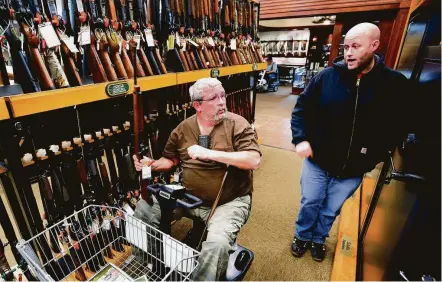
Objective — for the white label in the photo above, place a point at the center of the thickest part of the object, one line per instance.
(176, 177)
(146, 172)
(192, 42)
(211, 43)
(117, 222)
(128, 210)
(177, 38)
(80, 6)
(60, 6)
(119, 47)
(184, 45)
(233, 44)
(47, 32)
(69, 41)
(84, 36)
(106, 224)
(95, 227)
(149, 37)
(364, 150)
(137, 39)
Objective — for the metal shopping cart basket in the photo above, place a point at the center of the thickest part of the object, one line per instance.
(102, 243)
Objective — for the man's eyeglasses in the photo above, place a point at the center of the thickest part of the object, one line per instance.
(222, 97)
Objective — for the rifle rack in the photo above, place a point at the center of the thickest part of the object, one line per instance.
(28, 104)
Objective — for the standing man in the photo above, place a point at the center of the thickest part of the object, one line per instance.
(338, 126)
(233, 150)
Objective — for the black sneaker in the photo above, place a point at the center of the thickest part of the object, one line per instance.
(318, 251)
(299, 247)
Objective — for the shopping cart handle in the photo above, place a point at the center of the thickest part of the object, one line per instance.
(196, 202)
(154, 188)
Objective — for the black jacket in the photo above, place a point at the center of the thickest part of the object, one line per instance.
(350, 128)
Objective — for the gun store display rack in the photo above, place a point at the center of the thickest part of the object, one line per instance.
(28, 104)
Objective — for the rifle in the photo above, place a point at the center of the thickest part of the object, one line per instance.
(114, 41)
(24, 16)
(138, 133)
(54, 67)
(22, 72)
(65, 30)
(109, 189)
(4, 77)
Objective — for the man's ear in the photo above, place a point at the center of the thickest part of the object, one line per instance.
(197, 105)
(375, 45)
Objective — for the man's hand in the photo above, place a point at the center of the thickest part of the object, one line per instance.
(198, 152)
(304, 150)
(139, 164)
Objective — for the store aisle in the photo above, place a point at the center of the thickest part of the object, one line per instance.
(276, 198)
(273, 111)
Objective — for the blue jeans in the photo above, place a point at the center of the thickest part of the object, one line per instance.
(322, 197)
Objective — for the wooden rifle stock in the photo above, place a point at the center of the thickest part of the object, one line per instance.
(104, 56)
(189, 61)
(145, 61)
(126, 60)
(138, 67)
(159, 60)
(183, 59)
(33, 41)
(70, 67)
(112, 38)
(202, 57)
(97, 69)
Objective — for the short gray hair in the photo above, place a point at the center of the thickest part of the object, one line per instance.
(196, 90)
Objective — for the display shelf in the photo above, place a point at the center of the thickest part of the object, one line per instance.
(28, 104)
(4, 114)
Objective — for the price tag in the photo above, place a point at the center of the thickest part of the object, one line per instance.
(233, 44)
(146, 172)
(106, 224)
(192, 42)
(69, 41)
(47, 32)
(84, 36)
(128, 210)
(177, 38)
(80, 6)
(171, 42)
(184, 45)
(176, 176)
(149, 37)
(137, 39)
(119, 47)
(95, 227)
(210, 40)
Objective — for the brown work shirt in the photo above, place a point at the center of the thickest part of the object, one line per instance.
(203, 178)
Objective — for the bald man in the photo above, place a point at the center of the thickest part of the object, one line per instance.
(339, 129)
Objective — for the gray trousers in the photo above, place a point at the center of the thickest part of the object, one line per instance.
(223, 229)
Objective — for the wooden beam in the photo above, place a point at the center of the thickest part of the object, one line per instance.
(290, 14)
(336, 40)
(395, 43)
(344, 264)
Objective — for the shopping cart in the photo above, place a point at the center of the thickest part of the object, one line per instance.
(102, 243)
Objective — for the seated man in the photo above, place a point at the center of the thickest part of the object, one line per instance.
(233, 149)
(272, 71)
